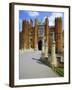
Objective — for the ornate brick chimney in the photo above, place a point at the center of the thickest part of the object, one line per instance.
(25, 34)
(58, 35)
(36, 35)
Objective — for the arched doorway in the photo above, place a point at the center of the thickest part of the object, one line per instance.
(40, 45)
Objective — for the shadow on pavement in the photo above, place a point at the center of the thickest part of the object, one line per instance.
(44, 61)
(35, 59)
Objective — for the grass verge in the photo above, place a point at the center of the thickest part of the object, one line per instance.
(60, 71)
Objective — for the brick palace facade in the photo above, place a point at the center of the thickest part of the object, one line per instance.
(35, 36)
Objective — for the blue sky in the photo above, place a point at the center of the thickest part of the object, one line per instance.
(27, 15)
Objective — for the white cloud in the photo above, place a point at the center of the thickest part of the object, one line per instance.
(52, 18)
(33, 14)
(44, 19)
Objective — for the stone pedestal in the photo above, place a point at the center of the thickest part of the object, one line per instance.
(53, 55)
(46, 51)
(45, 48)
(36, 47)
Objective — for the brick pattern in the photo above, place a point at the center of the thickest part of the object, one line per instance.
(58, 35)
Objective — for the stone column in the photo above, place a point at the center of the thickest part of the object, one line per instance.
(53, 53)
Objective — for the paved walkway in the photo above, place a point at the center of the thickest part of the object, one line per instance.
(31, 67)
